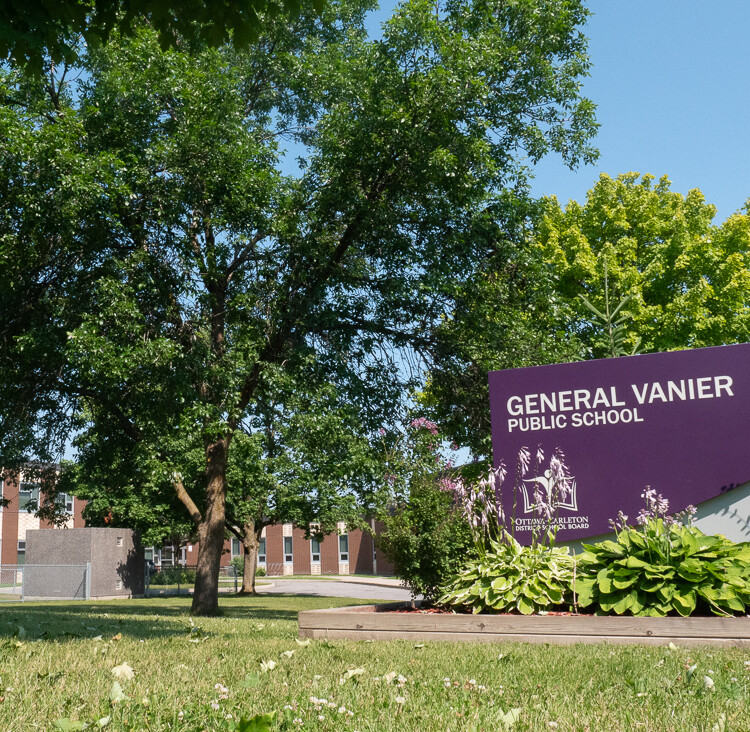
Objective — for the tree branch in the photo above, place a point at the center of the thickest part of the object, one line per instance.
(130, 429)
(244, 255)
(185, 499)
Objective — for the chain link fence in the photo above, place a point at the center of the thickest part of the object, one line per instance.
(180, 580)
(45, 582)
(11, 582)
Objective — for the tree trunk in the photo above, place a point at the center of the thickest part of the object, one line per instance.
(250, 543)
(211, 531)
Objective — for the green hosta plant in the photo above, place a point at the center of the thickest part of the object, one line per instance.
(664, 567)
(510, 577)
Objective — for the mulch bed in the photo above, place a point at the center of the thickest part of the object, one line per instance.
(466, 611)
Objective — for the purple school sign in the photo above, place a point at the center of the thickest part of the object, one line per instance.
(604, 430)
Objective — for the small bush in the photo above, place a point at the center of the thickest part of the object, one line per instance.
(157, 578)
(510, 577)
(239, 565)
(260, 571)
(173, 576)
(427, 540)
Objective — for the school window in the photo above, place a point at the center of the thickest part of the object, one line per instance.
(28, 497)
(262, 552)
(167, 555)
(63, 499)
(344, 548)
(288, 555)
(153, 555)
(236, 548)
(315, 549)
(21, 557)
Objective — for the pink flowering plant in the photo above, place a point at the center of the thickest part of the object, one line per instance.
(425, 535)
(412, 455)
(664, 566)
(506, 576)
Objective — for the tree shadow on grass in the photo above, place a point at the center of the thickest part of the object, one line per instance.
(148, 618)
(142, 619)
(278, 606)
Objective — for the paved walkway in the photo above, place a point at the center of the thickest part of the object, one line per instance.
(366, 588)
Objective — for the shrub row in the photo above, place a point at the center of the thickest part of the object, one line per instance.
(173, 576)
(660, 568)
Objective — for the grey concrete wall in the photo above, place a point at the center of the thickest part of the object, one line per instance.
(115, 554)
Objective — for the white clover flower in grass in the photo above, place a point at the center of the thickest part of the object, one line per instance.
(400, 700)
(123, 672)
(708, 683)
(215, 705)
(223, 691)
(350, 674)
(389, 677)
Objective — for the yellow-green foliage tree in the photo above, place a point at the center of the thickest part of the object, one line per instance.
(687, 280)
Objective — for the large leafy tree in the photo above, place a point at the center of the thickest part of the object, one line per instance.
(310, 463)
(505, 315)
(31, 32)
(168, 280)
(307, 461)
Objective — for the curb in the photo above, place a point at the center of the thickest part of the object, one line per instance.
(344, 578)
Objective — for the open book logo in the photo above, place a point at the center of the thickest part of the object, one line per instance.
(554, 488)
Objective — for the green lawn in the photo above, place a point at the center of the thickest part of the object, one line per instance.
(56, 661)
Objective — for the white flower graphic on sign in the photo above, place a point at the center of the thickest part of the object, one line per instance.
(552, 490)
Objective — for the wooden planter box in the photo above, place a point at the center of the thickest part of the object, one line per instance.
(378, 622)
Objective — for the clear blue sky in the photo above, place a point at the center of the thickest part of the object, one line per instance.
(671, 81)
